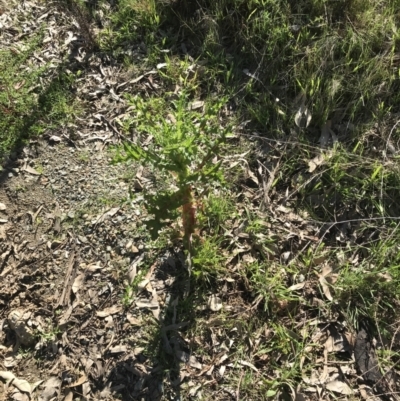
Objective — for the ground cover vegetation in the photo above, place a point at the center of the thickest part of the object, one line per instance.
(261, 141)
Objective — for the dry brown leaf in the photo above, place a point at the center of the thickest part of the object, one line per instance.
(21, 385)
(19, 85)
(248, 364)
(80, 381)
(69, 396)
(315, 162)
(30, 170)
(86, 390)
(133, 320)
(109, 311)
(296, 287)
(17, 396)
(325, 288)
(132, 270)
(197, 104)
(189, 359)
(336, 343)
(145, 285)
(339, 387)
(79, 280)
(51, 388)
(93, 267)
(326, 270)
(118, 349)
(252, 176)
(110, 213)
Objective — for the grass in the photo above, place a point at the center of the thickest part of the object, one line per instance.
(332, 182)
(270, 58)
(27, 107)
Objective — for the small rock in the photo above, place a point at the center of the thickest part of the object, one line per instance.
(2, 206)
(18, 322)
(82, 239)
(214, 303)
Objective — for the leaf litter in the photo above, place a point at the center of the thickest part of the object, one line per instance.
(64, 251)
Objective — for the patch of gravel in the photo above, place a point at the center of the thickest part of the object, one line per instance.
(71, 245)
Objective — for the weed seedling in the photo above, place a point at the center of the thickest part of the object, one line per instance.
(186, 144)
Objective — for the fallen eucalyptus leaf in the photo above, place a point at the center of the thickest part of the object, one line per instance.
(325, 288)
(51, 388)
(297, 286)
(339, 387)
(31, 170)
(78, 283)
(21, 385)
(80, 381)
(118, 349)
(109, 311)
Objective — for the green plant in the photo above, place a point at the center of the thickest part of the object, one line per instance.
(217, 209)
(186, 143)
(269, 284)
(50, 334)
(208, 260)
(30, 101)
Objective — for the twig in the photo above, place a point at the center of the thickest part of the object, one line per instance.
(68, 280)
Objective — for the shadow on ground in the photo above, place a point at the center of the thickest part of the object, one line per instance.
(166, 351)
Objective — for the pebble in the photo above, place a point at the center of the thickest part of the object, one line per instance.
(82, 239)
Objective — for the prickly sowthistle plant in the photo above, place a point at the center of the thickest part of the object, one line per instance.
(185, 145)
